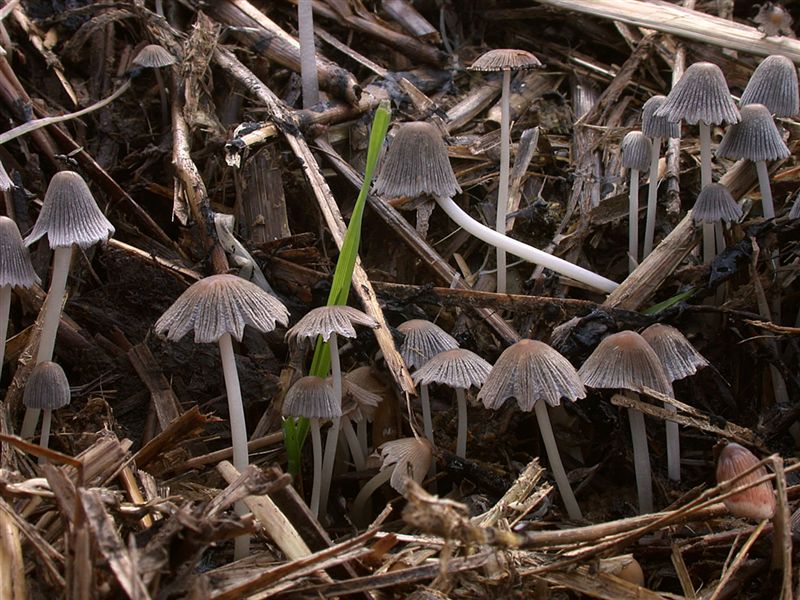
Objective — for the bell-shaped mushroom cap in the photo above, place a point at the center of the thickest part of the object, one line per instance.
(458, 368)
(313, 398)
(716, 204)
(678, 356)
(416, 163)
(423, 340)
(5, 181)
(701, 95)
(531, 371)
(636, 148)
(757, 502)
(369, 383)
(47, 387)
(754, 138)
(625, 361)
(505, 59)
(327, 320)
(794, 213)
(153, 56)
(70, 214)
(658, 127)
(774, 84)
(221, 304)
(358, 402)
(16, 269)
(412, 457)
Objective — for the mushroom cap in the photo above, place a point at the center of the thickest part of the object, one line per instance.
(757, 502)
(457, 368)
(658, 127)
(794, 213)
(636, 148)
(327, 320)
(413, 459)
(678, 356)
(416, 163)
(774, 84)
(70, 214)
(531, 371)
(359, 402)
(313, 398)
(221, 304)
(714, 204)
(47, 387)
(701, 95)
(16, 269)
(153, 56)
(370, 385)
(5, 181)
(625, 361)
(505, 59)
(423, 340)
(755, 137)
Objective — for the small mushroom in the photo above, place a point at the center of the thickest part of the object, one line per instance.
(366, 379)
(713, 208)
(636, 149)
(774, 84)
(358, 405)
(47, 389)
(757, 502)
(155, 57)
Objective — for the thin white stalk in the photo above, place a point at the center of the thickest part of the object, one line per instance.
(560, 475)
(355, 446)
(427, 421)
(361, 431)
(336, 368)
(673, 445)
(333, 432)
(705, 154)
(633, 221)
(29, 423)
(359, 511)
(709, 252)
(162, 96)
(238, 429)
(652, 197)
(44, 438)
(461, 439)
(502, 184)
(5, 306)
(316, 446)
(524, 251)
(641, 460)
(766, 191)
(308, 58)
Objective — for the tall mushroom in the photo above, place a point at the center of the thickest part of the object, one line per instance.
(156, 57)
(636, 150)
(774, 84)
(714, 207)
(47, 389)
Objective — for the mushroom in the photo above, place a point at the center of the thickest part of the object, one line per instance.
(504, 60)
(69, 216)
(365, 378)
(636, 150)
(360, 405)
(218, 308)
(308, 55)
(460, 369)
(757, 502)
(5, 181)
(47, 389)
(625, 361)
(714, 206)
(755, 138)
(16, 270)
(537, 376)
(155, 57)
(774, 84)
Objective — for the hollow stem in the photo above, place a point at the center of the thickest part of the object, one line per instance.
(332, 440)
(560, 475)
(359, 512)
(502, 184)
(5, 306)
(316, 446)
(705, 154)
(461, 439)
(652, 196)
(641, 460)
(44, 438)
(673, 445)
(308, 58)
(766, 191)
(709, 252)
(524, 251)
(427, 421)
(353, 443)
(633, 221)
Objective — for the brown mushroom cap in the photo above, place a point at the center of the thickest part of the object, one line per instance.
(153, 56)
(716, 204)
(658, 127)
(774, 84)
(358, 402)
(754, 138)
(413, 459)
(678, 356)
(505, 59)
(16, 269)
(47, 387)
(313, 398)
(423, 340)
(221, 304)
(327, 320)
(636, 148)
(458, 368)
(701, 95)
(757, 502)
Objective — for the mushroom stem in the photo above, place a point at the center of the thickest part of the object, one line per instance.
(308, 59)
(560, 475)
(332, 440)
(524, 251)
(5, 306)
(44, 438)
(502, 184)
(708, 243)
(427, 421)
(355, 446)
(705, 154)
(652, 196)
(633, 221)
(361, 431)
(766, 191)
(359, 513)
(461, 439)
(316, 443)
(641, 459)
(673, 445)
(162, 95)
(719, 236)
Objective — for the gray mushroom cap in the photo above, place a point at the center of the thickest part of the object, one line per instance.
(412, 457)
(153, 56)
(658, 127)
(70, 214)
(423, 340)
(774, 84)
(754, 138)
(47, 387)
(505, 59)
(636, 148)
(221, 304)
(327, 320)
(679, 358)
(716, 204)
(458, 368)
(16, 269)
(313, 398)
(701, 95)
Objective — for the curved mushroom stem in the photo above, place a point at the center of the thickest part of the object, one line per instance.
(705, 154)
(361, 431)
(502, 184)
(641, 459)
(673, 445)
(5, 306)
(332, 440)
(766, 191)
(560, 475)
(461, 439)
(355, 447)
(44, 439)
(359, 512)
(633, 221)
(652, 196)
(524, 251)
(709, 252)
(427, 421)
(308, 58)
(316, 444)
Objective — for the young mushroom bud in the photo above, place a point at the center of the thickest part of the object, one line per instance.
(756, 502)
(774, 84)
(47, 389)
(636, 149)
(714, 207)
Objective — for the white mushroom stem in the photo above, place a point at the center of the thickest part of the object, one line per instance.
(719, 236)
(333, 432)
(5, 306)
(766, 191)
(652, 196)
(560, 475)
(524, 251)
(633, 221)
(427, 421)
(705, 154)
(641, 459)
(316, 446)
(162, 94)
(673, 445)
(359, 511)
(361, 431)
(44, 438)
(461, 439)
(709, 251)
(238, 429)
(355, 447)
(308, 59)
(502, 184)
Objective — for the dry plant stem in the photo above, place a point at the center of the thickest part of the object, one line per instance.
(652, 196)
(461, 439)
(5, 305)
(641, 459)
(427, 421)
(560, 475)
(353, 443)
(308, 55)
(359, 512)
(705, 154)
(316, 444)
(719, 236)
(502, 185)
(738, 561)
(766, 191)
(13, 584)
(673, 445)
(633, 221)
(333, 432)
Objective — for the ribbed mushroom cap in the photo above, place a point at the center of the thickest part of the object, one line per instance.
(701, 95)
(47, 387)
(774, 84)
(505, 59)
(313, 398)
(327, 320)
(416, 163)
(366, 379)
(221, 304)
(70, 214)
(413, 459)
(754, 138)
(625, 361)
(16, 269)
(678, 356)
(5, 181)
(658, 127)
(153, 56)
(716, 204)
(458, 368)
(794, 213)
(358, 402)
(757, 502)
(636, 148)
(423, 340)
(531, 371)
